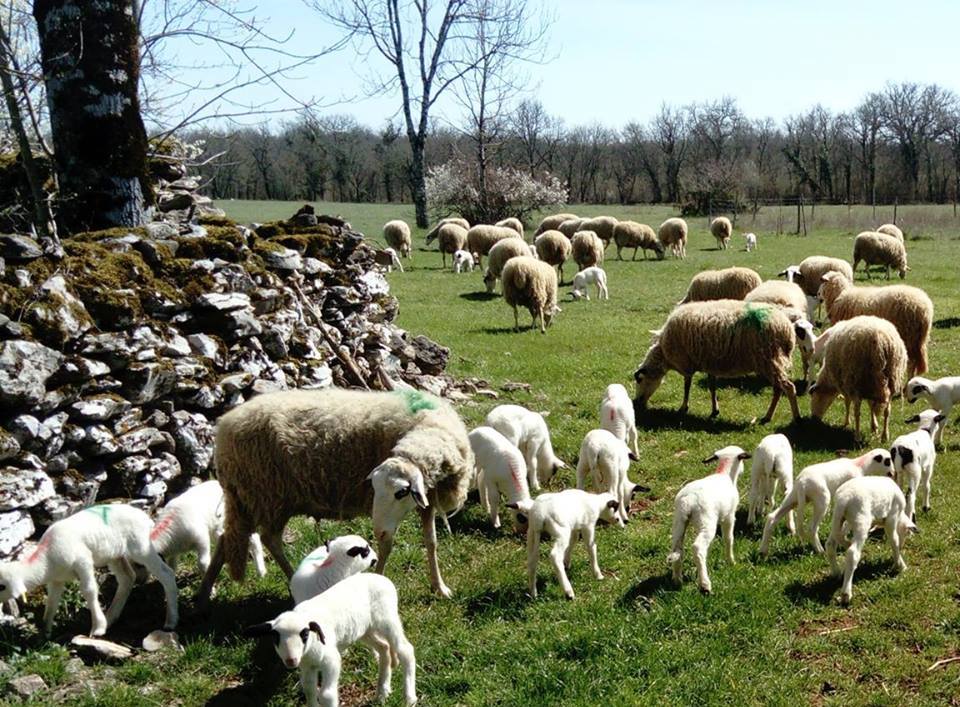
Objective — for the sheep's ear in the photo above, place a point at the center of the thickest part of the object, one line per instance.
(613, 505)
(633, 457)
(315, 627)
(915, 418)
(711, 458)
(940, 417)
(799, 331)
(782, 273)
(373, 473)
(357, 550)
(744, 455)
(513, 506)
(258, 630)
(326, 544)
(419, 499)
(639, 488)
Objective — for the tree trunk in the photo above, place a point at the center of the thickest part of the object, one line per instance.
(91, 68)
(418, 181)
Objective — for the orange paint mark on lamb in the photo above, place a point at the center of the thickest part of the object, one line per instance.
(39, 550)
(162, 525)
(724, 466)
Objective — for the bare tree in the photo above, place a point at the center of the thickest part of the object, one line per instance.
(865, 125)
(672, 133)
(537, 134)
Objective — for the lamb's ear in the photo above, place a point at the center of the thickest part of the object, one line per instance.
(633, 457)
(326, 544)
(915, 418)
(639, 488)
(315, 627)
(711, 458)
(513, 506)
(940, 417)
(782, 273)
(258, 630)
(878, 458)
(744, 455)
(613, 505)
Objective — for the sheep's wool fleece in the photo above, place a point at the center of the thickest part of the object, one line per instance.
(865, 358)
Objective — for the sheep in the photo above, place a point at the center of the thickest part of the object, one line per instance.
(891, 230)
(553, 248)
(606, 460)
(565, 516)
(397, 235)
(106, 535)
(498, 256)
(914, 455)
(941, 394)
(583, 279)
(812, 348)
(603, 226)
(314, 634)
(879, 249)
(550, 223)
(864, 359)
(729, 283)
(630, 234)
(860, 504)
(587, 249)
(722, 229)
(772, 465)
(570, 226)
(816, 484)
(193, 521)
(462, 262)
(528, 432)
(452, 220)
(387, 258)
(480, 239)
(309, 452)
(500, 470)
(908, 308)
(703, 504)
(786, 295)
(451, 237)
(530, 283)
(750, 240)
(330, 563)
(514, 223)
(673, 235)
(617, 416)
(723, 338)
(809, 273)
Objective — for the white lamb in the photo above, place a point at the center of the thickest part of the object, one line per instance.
(527, 431)
(860, 504)
(772, 465)
(463, 261)
(941, 394)
(388, 259)
(751, 240)
(590, 276)
(816, 484)
(315, 633)
(606, 460)
(914, 455)
(617, 416)
(704, 503)
(330, 563)
(72, 548)
(566, 516)
(500, 470)
(812, 347)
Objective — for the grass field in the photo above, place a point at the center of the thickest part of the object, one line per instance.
(771, 633)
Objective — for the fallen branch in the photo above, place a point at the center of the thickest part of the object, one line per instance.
(944, 661)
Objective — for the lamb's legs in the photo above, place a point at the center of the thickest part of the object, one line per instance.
(493, 504)
(125, 575)
(89, 590)
(819, 511)
(701, 544)
(886, 423)
(557, 553)
(329, 681)
(687, 380)
(896, 543)
(256, 552)
(927, 475)
(54, 595)
(427, 520)
(726, 526)
(381, 649)
(202, 543)
(791, 516)
(274, 542)
(772, 519)
(516, 319)
(912, 496)
(852, 560)
(533, 557)
(831, 553)
(168, 580)
(714, 408)
(213, 571)
(591, 542)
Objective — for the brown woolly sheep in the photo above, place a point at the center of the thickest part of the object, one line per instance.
(551, 223)
(673, 235)
(788, 296)
(498, 256)
(514, 223)
(879, 249)
(553, 248)
(481, 238)
(722, 229)
(729, 283)
(397, 235)
(891, 230)
(455, 220)
(451, 237)
(601, 225)
(531, 283)
(630, 234)
(810, 271)
(587, 249)
(570, 227)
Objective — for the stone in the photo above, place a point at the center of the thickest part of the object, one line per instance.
(26, 686)
(313, 266)
(156, 489)
(112, 345)
(100, 441)
(9, 445)
(207, 346)
(99, 409)
(57, 316)
(174, 201)
(193, 435)
(159, 640)
(236, 383)
(282, 259)
(159, 230)
(145, 382)
(16, 248)
(176, 346)
(140, 440)
(25, 367)
(233, 278)
(21, 488)
(222, 301)
(100, 649)
(241, 323)
(77, 369)
(24, 428)
(16, 527)
(56, 508)
(262, 385)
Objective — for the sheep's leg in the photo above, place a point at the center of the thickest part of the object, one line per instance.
(772, 519)
(620, 257)
(543, 322)
(633, 440)
(926, 479)
(831, 553)
(168, 580)
(846, 412)
(726, 526)
(774, 401)
(714, 408)
(533, 557)
(557, 553)
(213, 571)
(88, 588)
(274, 542)
(912, 496)
(755, 504)
(852, 560)
(516, 319)
(493, 504)
(256, 552)
(408, 662)
(568, 553)
(54, 595)
(819, 511)
(329, 680)
(202, 544)
(886, 422)
(443, 254)
(533, 473)
(427, 520)
(482, 491)
(125, 575)
(791, 516)
(591, 542)
(896, 542)
(856, 421)
(381, 649)
(687, 380)
(700, 546)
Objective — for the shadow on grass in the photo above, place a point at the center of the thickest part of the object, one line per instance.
(811, 434)
(505, 603)
(640, 594)
(524, 329)
(823, 589)
(479, 296)
(664, 419)
(948, 323)
(751, 384)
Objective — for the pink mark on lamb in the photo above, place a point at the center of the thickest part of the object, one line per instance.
(162, 525)
(724, 466)
(39, 550)
(515, 476)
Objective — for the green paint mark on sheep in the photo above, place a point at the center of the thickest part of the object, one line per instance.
(416, 401)
(756, 316)
(102, 511)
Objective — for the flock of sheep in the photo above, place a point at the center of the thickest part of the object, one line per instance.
(340, 453)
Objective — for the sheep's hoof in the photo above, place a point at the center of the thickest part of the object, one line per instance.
(569, 596)
(926, 509)
(706, 589)
(844, 599)
(714, 413)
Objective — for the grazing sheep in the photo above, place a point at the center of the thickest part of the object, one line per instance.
(311, 452)
(107, 535)
(500, 470)
(603, 226)
(570, 226)
(914, 455)
(587, 249)
(864, 359)
(772, 465)
(397, 235)
(330, 563)
(673, 235)
(786, 295)
(606, 460)
(723, 338)
(809, 273)
(630, 234)
(451, 237)
(879, 249)
(891, 230)
(550, 223)
(314, 634)
(480, 239)
(816, 484)
(617, 416)
(514, 223)
(860, 504)
(729, 283)
(703, 504)
(453, 220)
(566, 516)
(750, 239)
(498, 256)
(941, 394)
(462, 262)
(531, 283)
(387, 258)
(722, 229)
(908, 308)
(553, 248)
(528, 432)
(590, 276)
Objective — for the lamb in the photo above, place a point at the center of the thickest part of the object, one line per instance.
(703, 504)
(566, 515)
(914, 455)
(480, 239)
(309, 452)
(527, 431)
(590, 276)
(330, 563)
(587, 249)
(809, 273)
(451, 237)
(617, 416)
(606, 460)
(722, 229)
(786, 295)
(397, 235)
(453, 220)
(860, 504)
(908, 308)
(750, 240)
(315, 633)
(812, 348)
(498, 256)
(107, 535)
(570, 227)
(530, 283)
(553, 248)
(879, 249)
(941, 394)
(514, 223)
(865, 359)
(630, 234)
(891, 230)
(772, 465)
(673, 235)
(723, 338)
(729, 283)
(816, 484)
(500, 470)
(603, 226)
(550, 223)
(387, 258)
(462, 261)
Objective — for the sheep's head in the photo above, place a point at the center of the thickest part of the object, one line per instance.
(876, 462)
(929, 420)
(821, 398)
(832, 284)
(352, 553)
(398, 486)
(293, 635)
(806, 337)
(792, 273)
(729, 461)
(609, 513)
(659, 250)
(916, 388)
(489, 280)
(11, 585)
(649, 374)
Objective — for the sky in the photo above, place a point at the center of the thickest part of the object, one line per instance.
(616, 61)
